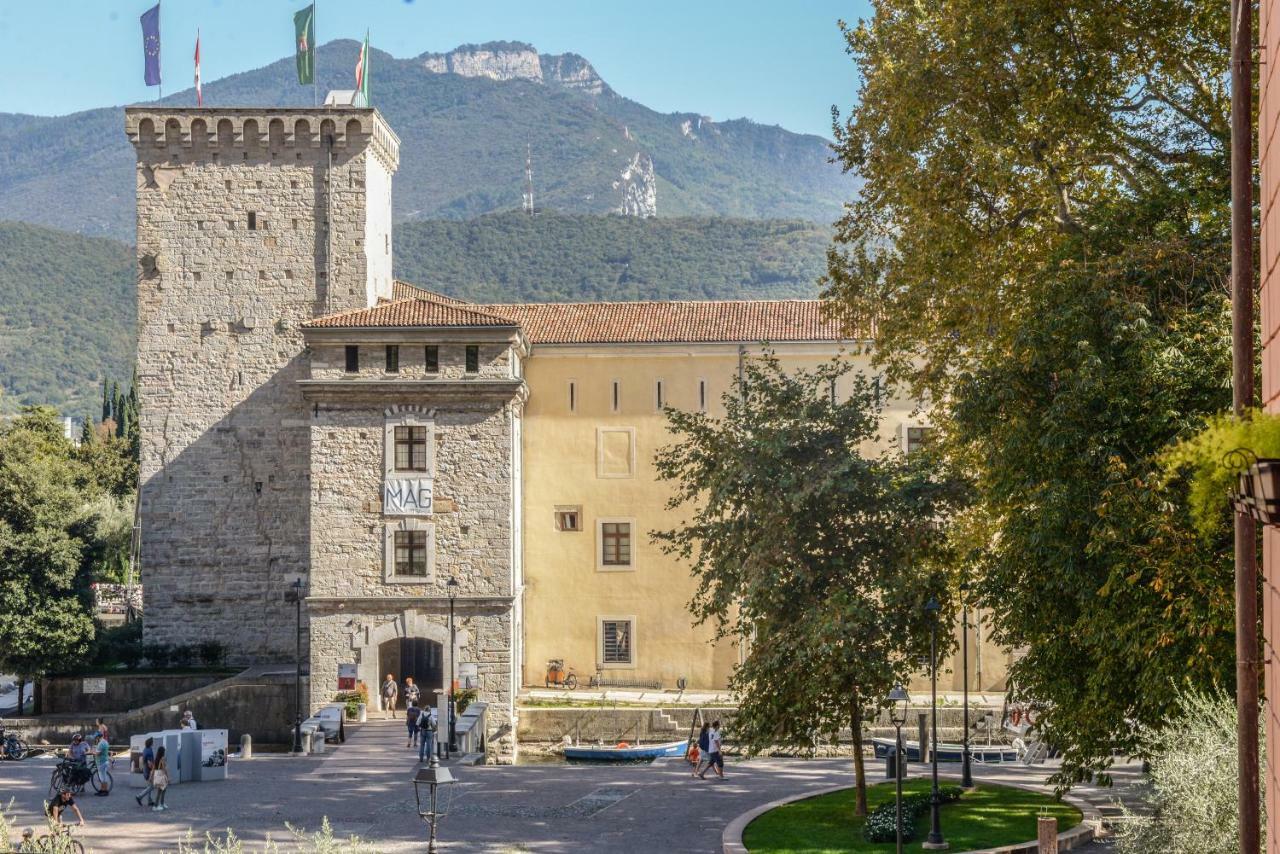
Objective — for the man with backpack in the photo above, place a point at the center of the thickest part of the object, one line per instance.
(427, 725)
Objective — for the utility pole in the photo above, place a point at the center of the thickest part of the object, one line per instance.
(1242, 399)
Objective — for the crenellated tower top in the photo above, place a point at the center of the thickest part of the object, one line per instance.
(244, 128)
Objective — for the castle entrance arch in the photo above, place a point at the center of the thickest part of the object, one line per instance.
(420, 658)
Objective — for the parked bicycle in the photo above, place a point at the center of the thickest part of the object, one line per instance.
(12, 747)
(73, 775)
(560, 677)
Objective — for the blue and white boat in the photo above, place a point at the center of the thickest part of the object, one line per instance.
(603, 753)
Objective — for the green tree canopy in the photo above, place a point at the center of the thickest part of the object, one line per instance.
(819, 552)
(1042, 240)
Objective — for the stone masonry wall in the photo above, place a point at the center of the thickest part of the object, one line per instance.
(354, 607)
(225, 463)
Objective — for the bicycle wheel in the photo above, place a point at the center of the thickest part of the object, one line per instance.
(571, 682)
(101, 780)
(55, 783)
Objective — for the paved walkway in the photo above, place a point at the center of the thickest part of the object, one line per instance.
(364, 788)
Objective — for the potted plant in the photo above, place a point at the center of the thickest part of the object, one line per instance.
(1214, 459)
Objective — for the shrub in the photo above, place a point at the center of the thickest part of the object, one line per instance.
(211, 653)
(184, 654)
(465, 698)
(116, 645)
(158, 655)
(1212, 473)
(321, 842)
(1192, 800)
(352, 699)
(879, 826)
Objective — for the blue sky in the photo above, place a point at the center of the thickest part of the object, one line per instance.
(776, 62)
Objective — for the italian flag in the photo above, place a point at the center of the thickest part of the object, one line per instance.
(199, 94)
(362, 70)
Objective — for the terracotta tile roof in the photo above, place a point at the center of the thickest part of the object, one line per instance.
(746, 321)
(409, 311)
(672, 322)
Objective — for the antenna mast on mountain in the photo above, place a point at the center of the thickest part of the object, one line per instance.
(528, 179)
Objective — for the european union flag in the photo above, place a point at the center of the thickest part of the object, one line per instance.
(151, 45)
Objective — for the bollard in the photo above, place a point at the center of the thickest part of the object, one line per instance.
(246, 746)
(1047, 834)
(924, 736)
(889, 761)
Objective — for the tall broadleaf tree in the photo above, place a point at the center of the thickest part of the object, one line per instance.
(819, 552)
(1043, 241)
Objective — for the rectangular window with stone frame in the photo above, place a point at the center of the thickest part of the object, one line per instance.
(411, 448)
(393, 359)
(615, 543)
(411, 553)
(473, 358)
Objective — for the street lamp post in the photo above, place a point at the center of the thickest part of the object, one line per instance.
(297, 665)
(453, 641)
(966, 770)
(438, 783)
(898, 699)
(935, 842)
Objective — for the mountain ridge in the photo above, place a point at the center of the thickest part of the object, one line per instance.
(464, 138)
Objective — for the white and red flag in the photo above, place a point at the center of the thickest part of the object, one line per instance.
(199, 94)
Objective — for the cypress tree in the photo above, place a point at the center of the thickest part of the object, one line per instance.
(117, 401)
(106, 400)
(86, 432)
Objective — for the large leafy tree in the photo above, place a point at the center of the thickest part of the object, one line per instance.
(818, 551)
(1042, 241)
(46, 535)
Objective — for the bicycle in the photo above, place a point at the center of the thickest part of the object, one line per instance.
(58, 841)
(73, 775)
(560, 677)
(12, 747)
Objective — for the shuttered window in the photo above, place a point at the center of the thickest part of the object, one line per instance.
(615, 641)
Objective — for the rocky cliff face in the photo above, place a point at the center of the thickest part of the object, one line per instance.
(639, 187)
(517, 61)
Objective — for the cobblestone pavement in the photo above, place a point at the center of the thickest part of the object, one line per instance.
(364, 788)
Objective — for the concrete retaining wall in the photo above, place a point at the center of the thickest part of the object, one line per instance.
(66, 694)
(258, 701)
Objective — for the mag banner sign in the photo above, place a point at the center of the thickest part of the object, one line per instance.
(406, 496)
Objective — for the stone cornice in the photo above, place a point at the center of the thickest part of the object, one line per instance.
(240, 128)
(423, 392)
(462, 604)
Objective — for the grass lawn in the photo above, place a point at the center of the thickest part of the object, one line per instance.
(984, 818)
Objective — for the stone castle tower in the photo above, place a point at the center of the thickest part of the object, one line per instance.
(250, 222)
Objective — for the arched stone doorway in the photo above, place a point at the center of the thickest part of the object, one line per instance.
(390, 633)
(420, 658)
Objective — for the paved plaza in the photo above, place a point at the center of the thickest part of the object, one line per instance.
(364, 788)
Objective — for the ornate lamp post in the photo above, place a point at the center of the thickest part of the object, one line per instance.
(935, 842)
(898, 699)
(966, 771)
(452, 584)
(435, 784)
(296, 587)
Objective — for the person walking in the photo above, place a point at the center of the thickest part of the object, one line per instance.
(411, 720)
(148, 765)
(160, 779)
(426, 732)
(715, 739)
(389, 691)
(704, 749)
(412, 694)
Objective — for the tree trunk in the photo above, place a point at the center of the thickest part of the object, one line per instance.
(859, 767)
(21, 684)
(37, 698)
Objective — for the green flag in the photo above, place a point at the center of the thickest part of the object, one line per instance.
(304, 26)
(362, 73)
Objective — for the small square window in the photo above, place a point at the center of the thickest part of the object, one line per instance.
(393, 359)
(917, 438)
(231, 274)
(473, 358)
(568, 518)
(615, 641)
(432, 358)
(253, 221)
(293, 185)
(353, 359)
(195, 275)
(228, 183)
(411, 553)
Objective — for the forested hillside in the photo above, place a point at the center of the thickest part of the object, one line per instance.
(67, 312)
(514, 257)
(67, 302)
